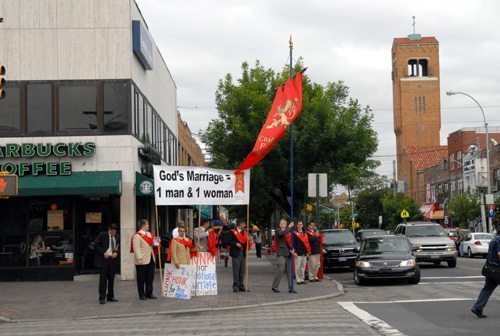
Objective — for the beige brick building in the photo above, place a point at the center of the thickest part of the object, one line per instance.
(190, 153)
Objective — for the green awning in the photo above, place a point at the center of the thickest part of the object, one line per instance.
(78, 183)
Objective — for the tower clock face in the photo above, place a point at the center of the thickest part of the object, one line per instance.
(146, 187)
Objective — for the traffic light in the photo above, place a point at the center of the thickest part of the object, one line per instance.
(8, 184)
(2, 81)
(309, 207)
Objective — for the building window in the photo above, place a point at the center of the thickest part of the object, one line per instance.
(459, 159)
(39, 109)
(417, 67)
(452, 161)
(116, 107)
(10, 107)
(77, 108)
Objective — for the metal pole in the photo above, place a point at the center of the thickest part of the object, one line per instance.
(394, 176)
(198, 255)
(291, 169)
(159, 249)
(246, 252)
(317, 200)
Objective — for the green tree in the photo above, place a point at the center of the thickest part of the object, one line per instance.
(394, 205)
(333, 135)
(369, 206)
(464, 208)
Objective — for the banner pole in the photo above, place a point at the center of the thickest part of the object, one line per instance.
(291, 172)
(159, 249)
(246, 252)
(197, 255)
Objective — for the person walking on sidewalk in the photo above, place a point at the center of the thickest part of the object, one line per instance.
(143, 245)
(314, 257)
(257, 239)
(283, 240)
(302, 250)
(240, 243)
(493, 260)
(106, 246)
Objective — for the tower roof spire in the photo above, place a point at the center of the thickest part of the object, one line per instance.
(414, 36)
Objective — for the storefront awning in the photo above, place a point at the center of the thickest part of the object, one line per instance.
(438, 214)
(78, 183)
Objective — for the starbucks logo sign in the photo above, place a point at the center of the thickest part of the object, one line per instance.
(146, 187)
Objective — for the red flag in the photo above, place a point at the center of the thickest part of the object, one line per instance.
(285, 109)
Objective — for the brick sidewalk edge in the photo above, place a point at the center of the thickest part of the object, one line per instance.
(339, 286)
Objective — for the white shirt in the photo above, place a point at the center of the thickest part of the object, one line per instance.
(112, 241)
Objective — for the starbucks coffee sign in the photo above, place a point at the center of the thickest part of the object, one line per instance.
(39, 151)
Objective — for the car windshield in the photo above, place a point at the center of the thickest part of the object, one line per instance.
(425, 231)
(385, 245)
(373, 233)
(484, 236)
(338, 238)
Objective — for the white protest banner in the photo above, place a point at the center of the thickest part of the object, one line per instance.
(178, 282)
(207, 276)
(182, 185)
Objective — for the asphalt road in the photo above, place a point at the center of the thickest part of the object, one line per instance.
(439, 305)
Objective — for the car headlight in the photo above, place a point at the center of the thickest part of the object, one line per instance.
(325, 251)
(407, 263)
(451, 247)
(363, 264)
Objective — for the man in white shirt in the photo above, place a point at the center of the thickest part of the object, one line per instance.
(175, 233)
(107, 246)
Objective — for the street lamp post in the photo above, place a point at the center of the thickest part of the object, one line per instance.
(452, 93)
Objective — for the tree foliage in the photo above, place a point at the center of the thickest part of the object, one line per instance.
(333, 135)
(464, 208)
(394, 205)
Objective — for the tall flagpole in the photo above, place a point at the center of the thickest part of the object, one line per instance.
(291, 170)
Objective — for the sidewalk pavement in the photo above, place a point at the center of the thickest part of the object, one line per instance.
(21, 301)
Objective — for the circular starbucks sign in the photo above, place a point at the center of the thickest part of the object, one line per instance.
(146, 187)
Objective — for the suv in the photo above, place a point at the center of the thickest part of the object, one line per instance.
(339, 248)
(430, 242)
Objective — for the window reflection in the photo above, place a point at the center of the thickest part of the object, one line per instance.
(115, 107)
(77, 108)
(10, 110)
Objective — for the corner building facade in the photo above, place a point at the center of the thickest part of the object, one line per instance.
(90, 107)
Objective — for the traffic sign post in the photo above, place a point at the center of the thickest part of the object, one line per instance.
(404, 215)
(8, 185)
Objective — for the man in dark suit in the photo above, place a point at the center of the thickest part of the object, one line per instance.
(106, 258)
(240, 243)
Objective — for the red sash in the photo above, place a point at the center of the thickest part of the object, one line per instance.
(186, 242)
(288, 238)
(243, 239)
(212, 243)
(303, 238)
(148, 240)
(312, 234)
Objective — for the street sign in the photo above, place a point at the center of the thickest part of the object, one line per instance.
(490, 199)
(8, 184)
(379, 222)
(327, 212)
(446, 220)
(311, 185)
(404, 214)
(491, 210)
(340, 200)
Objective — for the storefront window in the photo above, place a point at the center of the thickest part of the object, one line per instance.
(39, 109)
(12, 234)
(115, 107)
(77, 108)
(10, 110)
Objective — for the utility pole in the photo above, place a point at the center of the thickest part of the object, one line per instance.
(394, 176)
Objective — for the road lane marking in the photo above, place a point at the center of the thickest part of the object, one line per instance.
(450, 282)
(454, 277)
(379, 325)
(414, 301)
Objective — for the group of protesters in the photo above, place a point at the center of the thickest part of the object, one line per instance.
(295, 248)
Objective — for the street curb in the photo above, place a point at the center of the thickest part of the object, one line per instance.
(339, 286)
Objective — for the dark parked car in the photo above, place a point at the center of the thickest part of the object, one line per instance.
(386, 257)
(366, 233)
(339, 248)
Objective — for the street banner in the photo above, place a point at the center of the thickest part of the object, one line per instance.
(178, 282)
(285, 109)
(206, 281)
(182, 185)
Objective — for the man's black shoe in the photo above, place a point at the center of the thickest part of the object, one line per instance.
(142, 298)
(243, 290)
(102, 301)
(235, 290)
(478, 313)
(292, 291)
(276, 290)
(112, 300)
(152, 297)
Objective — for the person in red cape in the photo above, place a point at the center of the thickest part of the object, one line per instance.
(314, 257)
(145, 246)
(212, 242)
(302, 250)
(181, 249)
(283, 240)
(239, 242)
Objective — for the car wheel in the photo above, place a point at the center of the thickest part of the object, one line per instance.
(452, 264)
(469, 253)
(437, 263)
(358, 280)
(416, 279)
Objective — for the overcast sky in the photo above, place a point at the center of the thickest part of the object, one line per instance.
(351, 40)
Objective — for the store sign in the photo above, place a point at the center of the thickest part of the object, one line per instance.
(39, 151)
(179, 185)
(142, 45)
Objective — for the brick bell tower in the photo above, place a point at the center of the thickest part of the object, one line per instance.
(416, 99)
